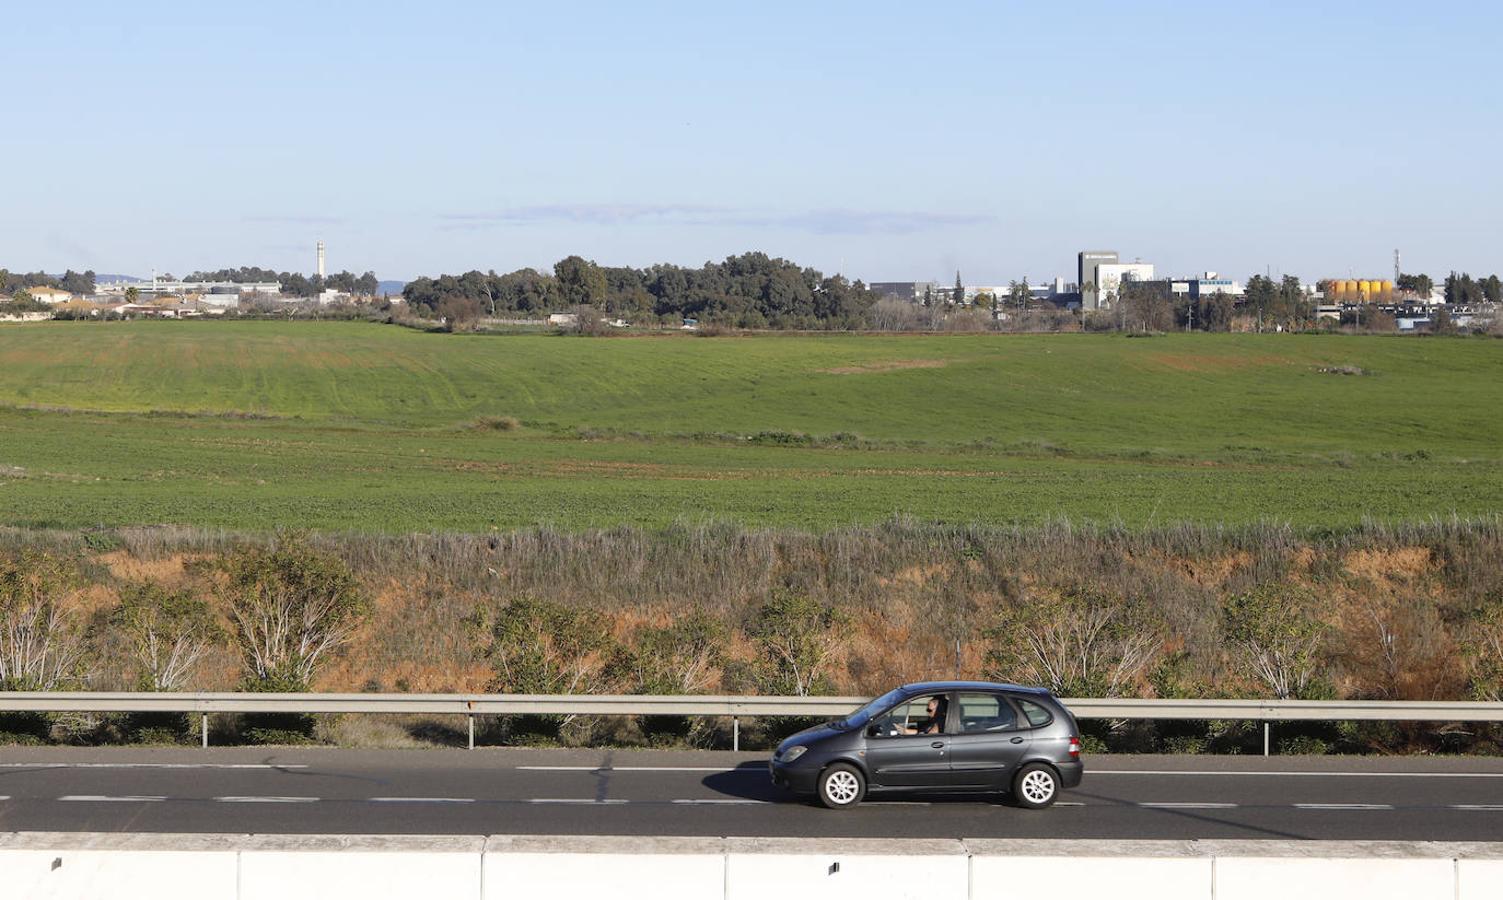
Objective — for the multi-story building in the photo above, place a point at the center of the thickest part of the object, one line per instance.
(1086, 264)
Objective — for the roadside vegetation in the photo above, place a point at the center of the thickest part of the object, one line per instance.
(1389, 613)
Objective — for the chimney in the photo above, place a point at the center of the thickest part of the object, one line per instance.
(320, 259)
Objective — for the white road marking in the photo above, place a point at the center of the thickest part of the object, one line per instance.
(759, 770)
(266, 799)
(98, 798)
(721, 802)
(1471, 806)
(48, 765)
(4, 797)
(1188, 805)
(422, 799)
(581, 800)
(1343, 806)
(1068, 803)
(1095, 772)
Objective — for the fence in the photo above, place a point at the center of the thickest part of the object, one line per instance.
(733, 707)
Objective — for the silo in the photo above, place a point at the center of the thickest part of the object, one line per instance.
(1337, 287)
(1387, 288)
(1366, 288)
(1349, 286)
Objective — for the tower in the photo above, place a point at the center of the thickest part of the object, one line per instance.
(320, 259)
(1396, 273)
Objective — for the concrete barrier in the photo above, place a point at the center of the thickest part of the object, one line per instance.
(251, 867)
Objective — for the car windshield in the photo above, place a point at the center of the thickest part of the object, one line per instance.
(863, 714)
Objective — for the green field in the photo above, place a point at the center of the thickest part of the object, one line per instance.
(348, 426)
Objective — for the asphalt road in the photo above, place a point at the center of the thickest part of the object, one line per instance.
(724, 794)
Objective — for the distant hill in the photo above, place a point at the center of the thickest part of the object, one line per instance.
(390, 287)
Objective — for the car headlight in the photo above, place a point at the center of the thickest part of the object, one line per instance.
(794, 753)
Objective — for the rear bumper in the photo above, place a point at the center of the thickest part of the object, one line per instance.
(1071, 773)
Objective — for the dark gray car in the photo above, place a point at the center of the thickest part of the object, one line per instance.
(939, 735)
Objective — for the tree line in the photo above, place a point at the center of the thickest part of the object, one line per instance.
(79, 283)
(296, 284)
(752, 290)
(1463, 288)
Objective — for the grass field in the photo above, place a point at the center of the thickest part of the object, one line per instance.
(347, 426)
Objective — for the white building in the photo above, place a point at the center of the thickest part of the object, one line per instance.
(1109, 278)
(49, 295)
(1207, 285)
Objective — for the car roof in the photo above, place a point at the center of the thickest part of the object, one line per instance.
(920, 687)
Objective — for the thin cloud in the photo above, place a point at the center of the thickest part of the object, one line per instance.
(296, 220)
(823, 221)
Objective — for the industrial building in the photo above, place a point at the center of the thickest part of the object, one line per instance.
(1109, 278)
(1207, 285)
(911, 291)
(1085, 275)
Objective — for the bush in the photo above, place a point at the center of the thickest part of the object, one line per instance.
(41, 643)
(292, 607)
(797, 638)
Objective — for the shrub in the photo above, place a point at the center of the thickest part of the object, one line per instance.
(1078, 641)
(797, 637)
(1275, 638)
(291, 608)
(169, 633)
(41, 644)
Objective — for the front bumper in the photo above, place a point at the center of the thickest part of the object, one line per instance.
(796, 778)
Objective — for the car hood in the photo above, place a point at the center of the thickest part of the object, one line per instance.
(811, 735)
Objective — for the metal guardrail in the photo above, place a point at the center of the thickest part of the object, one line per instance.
(733, 707)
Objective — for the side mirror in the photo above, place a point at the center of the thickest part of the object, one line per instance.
(874, 731)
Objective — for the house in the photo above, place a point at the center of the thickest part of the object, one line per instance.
(567, 320)
(49, 295)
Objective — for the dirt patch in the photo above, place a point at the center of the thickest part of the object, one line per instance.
(1399, 562)
(892, 365)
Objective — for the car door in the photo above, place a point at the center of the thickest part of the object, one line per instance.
(895, 759)
(987, 743)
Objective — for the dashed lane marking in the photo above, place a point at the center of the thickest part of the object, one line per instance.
(100, 798)
(586, 801)
(421, 799)
(721, 802)
(85, 765)
(757, 771)
(1347, 806)
(1188, 805)
(266, 799)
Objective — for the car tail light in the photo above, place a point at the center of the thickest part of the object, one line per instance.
(1075, 746)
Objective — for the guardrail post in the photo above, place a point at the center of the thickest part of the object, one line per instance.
(1265, 738)
(470, 719)
(203, 726)
(735, 733)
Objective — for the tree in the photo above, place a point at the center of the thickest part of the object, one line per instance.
(959, 296)
(682, 657)
(291, 608)
(1077, 640)
(1417, 284)
(169, 633)
(41, 643)
(1276, 638)
(581, 281)
(132, 295)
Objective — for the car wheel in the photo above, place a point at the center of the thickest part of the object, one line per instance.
(1036, 786)
(841, 786)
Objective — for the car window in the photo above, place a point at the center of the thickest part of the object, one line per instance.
(910, 717)
(1036, 715)
(985, 712)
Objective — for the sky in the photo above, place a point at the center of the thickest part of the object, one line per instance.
(888, 141)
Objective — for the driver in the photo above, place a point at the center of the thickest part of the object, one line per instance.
(934, 722)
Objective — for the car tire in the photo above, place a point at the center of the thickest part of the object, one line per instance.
(841, 786)
(1036, 786)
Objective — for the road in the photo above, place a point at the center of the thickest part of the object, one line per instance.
(518, 791)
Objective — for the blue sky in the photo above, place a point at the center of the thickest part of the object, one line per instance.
(895, 140)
